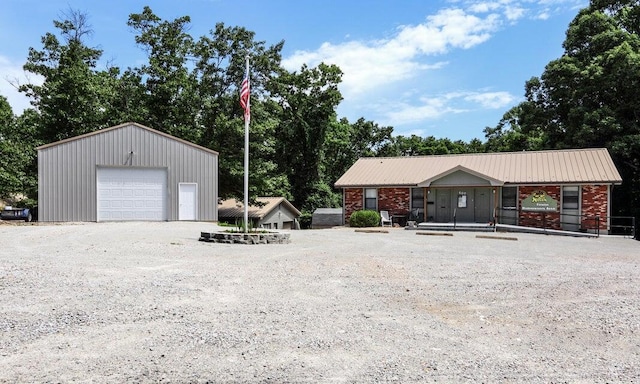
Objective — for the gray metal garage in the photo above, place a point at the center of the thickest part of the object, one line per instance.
(127, 172)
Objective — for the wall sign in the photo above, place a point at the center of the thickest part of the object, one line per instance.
(539, 201)
(462, 199)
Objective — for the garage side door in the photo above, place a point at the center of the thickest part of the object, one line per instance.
(132, 194)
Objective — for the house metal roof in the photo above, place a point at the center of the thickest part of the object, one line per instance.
(234, 208)
(535, 167)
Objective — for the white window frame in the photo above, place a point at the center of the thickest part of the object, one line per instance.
(365, 197)
(573, 188)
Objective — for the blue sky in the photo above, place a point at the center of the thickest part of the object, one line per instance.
(440, 68)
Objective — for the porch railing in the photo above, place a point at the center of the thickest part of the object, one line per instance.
(616, 225)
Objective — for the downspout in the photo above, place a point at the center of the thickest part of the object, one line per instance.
(425, 198)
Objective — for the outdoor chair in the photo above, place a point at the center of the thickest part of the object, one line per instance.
(385, 218)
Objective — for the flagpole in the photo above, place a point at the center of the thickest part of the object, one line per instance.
(247, 116)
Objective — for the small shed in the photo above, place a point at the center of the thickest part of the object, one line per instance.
(127, 172)
(326, 218)
(274, 213)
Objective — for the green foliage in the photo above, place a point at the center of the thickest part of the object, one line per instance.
(305, 220)
(345, 143)
(18, 140)
(171, 96)
(74, 97)
(364, 218)
(219, 68)
(588, 97)
(307, 102)
(424, 146)
(242, 226)
(12, 159)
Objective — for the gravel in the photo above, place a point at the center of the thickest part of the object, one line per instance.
(148, 302)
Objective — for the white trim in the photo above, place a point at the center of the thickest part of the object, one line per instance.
(364, 197)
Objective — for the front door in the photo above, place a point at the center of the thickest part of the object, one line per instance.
(187, 201)
(464, 205)
(482, 206)
(443, 205)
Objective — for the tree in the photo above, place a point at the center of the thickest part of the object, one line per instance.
(588, 97)
(509, 134)
(74, 97)
(18, 140)
(11, 156)
(345, 143)
(220, 59)
(415, 145)
(170, 99)
(307, 101)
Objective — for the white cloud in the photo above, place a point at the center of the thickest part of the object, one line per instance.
(429, 108)
(514, 13)
(544, 15)
(484, 7)
(382, 78)
(368, 65)
(493, 100)
(13, 74)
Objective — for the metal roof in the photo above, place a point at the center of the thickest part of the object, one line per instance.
(124, 125)
(535, 167)
(234, 208)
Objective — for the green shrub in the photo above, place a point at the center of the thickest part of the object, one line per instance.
(305, 220)
(364, 218)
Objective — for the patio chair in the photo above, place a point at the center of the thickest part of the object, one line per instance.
(385, 218)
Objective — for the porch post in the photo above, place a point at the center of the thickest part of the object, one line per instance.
(425, 198)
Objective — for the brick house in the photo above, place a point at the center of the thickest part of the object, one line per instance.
(560, 189)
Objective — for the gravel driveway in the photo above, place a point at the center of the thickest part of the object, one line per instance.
(148, 302)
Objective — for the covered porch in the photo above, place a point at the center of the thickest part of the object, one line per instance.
(455, 196)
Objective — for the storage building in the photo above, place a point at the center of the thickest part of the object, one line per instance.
(127, 172)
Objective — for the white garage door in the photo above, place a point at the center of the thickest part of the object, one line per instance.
(132, 194)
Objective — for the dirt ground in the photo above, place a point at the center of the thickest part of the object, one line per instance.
(148, 302)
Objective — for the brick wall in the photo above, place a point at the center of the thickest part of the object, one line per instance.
(353, 201)
(594, 203)
(549, 220)
(394, 200)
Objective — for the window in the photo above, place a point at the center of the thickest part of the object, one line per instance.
(510, 197)
(570, 197)
(371, 199)
(417, 198)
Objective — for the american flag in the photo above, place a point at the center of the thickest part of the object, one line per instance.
(244, 95)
